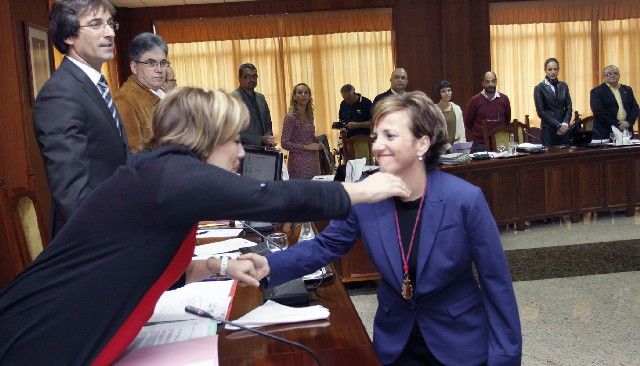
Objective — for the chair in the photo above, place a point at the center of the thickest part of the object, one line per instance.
(325, 157)
(29, 224)
(500, 135)
(522, 129)
(358, 147)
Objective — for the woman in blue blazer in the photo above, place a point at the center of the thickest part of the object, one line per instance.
(432, 309)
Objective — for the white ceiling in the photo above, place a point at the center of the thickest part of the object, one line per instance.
(151, 3)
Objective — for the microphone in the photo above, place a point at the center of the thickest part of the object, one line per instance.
(203, 314)
(244, 223)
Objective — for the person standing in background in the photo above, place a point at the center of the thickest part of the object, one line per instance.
(452, 113)
(399, 81)
(170, 82)
(487, 108)
(78, 128)
(260, 130)
(613, 104)
(142, 91)
(299, 135)
(553, 105)
(355, 111)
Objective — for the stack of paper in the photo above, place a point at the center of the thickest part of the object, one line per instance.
(212, 296)
(273, 313)
(230, 245)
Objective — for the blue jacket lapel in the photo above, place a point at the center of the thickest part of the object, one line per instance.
(389, 238)
(432, 214)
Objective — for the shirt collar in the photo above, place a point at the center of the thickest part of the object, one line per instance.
(92, 73)
(394, 92)
(497, 95)
(613, 87)
(160, 93)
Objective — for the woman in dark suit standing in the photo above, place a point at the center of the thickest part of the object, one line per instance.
(84, 299)
(553, 105)
(432, 309)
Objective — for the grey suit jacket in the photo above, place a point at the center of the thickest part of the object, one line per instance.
(79, 141)
(254, 132)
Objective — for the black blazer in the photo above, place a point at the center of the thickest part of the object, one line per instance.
(379, 97)
(605, 109)
(80, 144)
(553, 109)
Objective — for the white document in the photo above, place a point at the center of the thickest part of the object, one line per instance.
(273, 313)
(229, 245)
(163, 333)
(217, 233)
(211, 296)
(194, 352)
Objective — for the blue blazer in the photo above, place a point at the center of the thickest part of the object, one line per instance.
(463, 322)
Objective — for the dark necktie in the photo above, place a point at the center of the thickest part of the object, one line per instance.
(104, 90)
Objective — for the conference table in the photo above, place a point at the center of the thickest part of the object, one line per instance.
(339, 340)
(527, 187)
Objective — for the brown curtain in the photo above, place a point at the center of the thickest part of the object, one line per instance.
(322, 49)
(584, 36)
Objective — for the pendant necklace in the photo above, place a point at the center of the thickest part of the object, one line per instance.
(407, 287)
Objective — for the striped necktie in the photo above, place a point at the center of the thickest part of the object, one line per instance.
(104, 90)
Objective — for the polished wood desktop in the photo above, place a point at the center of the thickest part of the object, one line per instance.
(538, 186)
(339, 340)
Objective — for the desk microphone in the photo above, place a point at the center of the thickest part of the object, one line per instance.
(244, 223)
(203, 314)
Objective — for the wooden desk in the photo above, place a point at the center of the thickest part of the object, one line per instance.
(538, 186)
(340, 340)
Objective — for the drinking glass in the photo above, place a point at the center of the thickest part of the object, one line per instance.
(501, 148)
(280, 239)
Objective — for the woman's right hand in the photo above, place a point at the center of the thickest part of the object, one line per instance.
(376, 187)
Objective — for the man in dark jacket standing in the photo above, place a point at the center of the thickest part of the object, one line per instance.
(613, 104)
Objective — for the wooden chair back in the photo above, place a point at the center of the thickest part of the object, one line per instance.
(358, 147)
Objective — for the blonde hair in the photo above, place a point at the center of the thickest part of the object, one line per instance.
(197, 119)
(426, 120)
(293, 106)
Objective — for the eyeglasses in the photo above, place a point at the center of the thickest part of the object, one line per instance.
(250, 76)
(154, 64)
(100, 26)
(607, 74)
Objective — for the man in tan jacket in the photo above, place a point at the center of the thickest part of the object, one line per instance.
(141, 92)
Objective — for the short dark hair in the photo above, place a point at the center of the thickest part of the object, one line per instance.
(552, 59)
(426, 120)
(245, 66)
(485, 73)
(63, 19)
(347, 88)
(441, 85)
(144, 42)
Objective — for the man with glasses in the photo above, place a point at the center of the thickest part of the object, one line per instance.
(613, 104)
(77, 126)
(259, 132)
(142, 91)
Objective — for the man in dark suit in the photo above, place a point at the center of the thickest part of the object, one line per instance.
(77, 126)
(259, 132)
(613, 104)
(399, 81)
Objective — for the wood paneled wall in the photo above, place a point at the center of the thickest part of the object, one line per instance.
(434, 39)
(20, 161)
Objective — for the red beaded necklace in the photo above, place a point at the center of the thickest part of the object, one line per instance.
(407, 287)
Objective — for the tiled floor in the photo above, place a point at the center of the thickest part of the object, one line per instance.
(589, 319)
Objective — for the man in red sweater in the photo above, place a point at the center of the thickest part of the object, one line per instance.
(488, 108)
